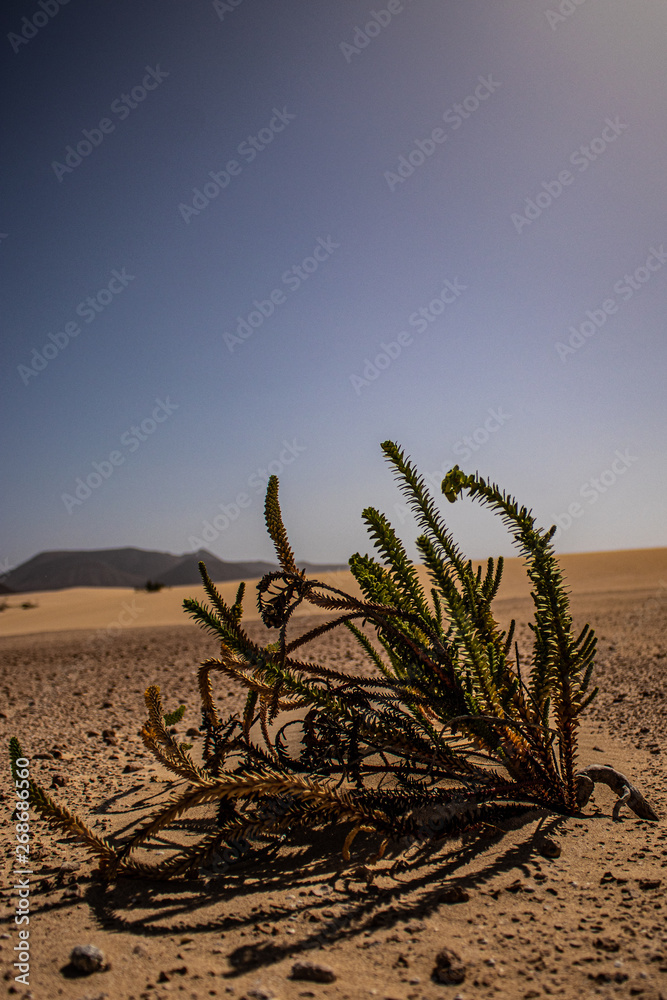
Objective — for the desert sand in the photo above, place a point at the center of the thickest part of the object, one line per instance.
(109, 610)
(588, 923)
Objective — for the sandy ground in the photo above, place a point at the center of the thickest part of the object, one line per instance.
(588, 923)
(109, 610)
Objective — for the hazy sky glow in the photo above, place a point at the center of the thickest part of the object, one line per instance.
(249, 237)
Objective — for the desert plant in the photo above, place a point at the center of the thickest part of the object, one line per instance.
(445, 736)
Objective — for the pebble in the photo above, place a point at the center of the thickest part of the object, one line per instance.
(313, 972)
(606, 944)
(649, 883)
(86, 958)
(321, 890)
(260, 993)
(549, 848)
(454, 894)
(448, 967)
(516, 886)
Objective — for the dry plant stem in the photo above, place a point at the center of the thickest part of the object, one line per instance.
(618, 783)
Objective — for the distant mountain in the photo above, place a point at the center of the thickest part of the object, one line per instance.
(132, 568)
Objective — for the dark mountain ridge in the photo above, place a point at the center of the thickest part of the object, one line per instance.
(131, 567)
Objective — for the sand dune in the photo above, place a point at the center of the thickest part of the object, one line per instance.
(117, 608)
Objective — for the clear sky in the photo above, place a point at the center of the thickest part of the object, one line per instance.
(255, 236)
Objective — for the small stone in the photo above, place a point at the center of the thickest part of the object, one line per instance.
(192, 732)
(260, 993)
(649, 883)
(516, 886)
(454, 894)
(58, 781)
(87, 958)
(448, 967)
(132, 768)
(548, 847)
(606, 944)
(313, 972)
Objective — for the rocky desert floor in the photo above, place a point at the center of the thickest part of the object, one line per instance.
(589, 922)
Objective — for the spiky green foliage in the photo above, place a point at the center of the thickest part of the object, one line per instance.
(441, 737)
(172, 718)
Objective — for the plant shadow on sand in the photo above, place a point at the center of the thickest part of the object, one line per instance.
(277, 886)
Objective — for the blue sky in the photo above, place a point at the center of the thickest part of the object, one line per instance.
(250, 237)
